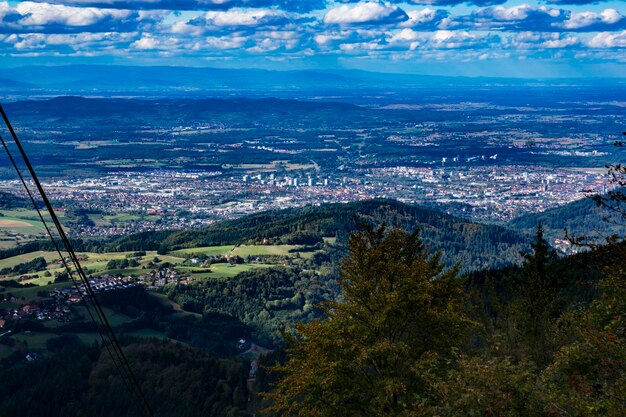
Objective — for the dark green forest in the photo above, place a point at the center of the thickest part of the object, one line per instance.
(81, 381)
(580, 218)
(473, 245)
(409, 338)
(411, 332)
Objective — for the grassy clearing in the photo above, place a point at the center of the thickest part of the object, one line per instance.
(242, 250)
(30, 293)
(148, 333)
(31, 214)
(175, 306)
(115, 318)
(259, 250)
(7, 242)
(35, 340)
(203, 251)
(88, 338)
(221, 271)
(27, 257)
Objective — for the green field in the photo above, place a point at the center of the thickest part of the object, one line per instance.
(30, 293)
(148, 333)
(96, 263)
(203, 251)
(241, 250)
(35, 340)
(120, 218)
(178, 311)
(22, 225)
(115, 319)
(260, 250)
(88, 338)
(223, 270)
(19, 226)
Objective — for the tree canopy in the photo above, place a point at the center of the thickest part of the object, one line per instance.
(378, 351)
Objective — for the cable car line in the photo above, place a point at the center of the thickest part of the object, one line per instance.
(63, 260)
(125, 369)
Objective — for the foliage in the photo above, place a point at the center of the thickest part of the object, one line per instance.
(378, 351)
(81, 381)
(588, 377)
(36, 265)
(491, 387)
(11, 201)
(266, 299)
(537, 304)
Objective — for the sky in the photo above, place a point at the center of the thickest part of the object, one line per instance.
(503, 38)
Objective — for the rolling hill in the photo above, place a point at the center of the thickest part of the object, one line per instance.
(474, 245)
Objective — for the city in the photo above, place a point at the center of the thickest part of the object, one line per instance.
(162, 200)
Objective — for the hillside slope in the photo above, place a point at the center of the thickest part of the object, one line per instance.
(474, 245)
(581, 217)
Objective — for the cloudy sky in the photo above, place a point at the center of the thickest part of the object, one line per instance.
(545, 38)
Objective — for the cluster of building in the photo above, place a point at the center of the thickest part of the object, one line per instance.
(165, 200)
(490, 192)
(57, 306)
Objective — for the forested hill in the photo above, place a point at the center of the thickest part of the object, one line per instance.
(11, 201)
(141, 112)
(581, 217)
(474, 245)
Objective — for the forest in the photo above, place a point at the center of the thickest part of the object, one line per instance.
(405, 312)
(409, 338)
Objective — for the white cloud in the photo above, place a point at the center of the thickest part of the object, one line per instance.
(424, 18)
(449, 39)
(31, 17)
(520, 12)
(541, 41)
(585, 19)
(565, 42)
(46, 14)
(405, 35)
(225, 42)
(245, 17)
(362, 13)
(146, 42)
(608, 40)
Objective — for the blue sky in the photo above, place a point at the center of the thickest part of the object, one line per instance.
(551, 38)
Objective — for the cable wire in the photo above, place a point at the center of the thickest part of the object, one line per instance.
(67, 267)
(125, 370)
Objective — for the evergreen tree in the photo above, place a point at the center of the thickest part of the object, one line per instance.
(380, 350)
(588, 377)
(537, 304)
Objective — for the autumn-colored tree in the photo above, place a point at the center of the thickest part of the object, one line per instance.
(379, 351)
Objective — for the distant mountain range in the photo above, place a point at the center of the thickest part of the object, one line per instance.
(137, 109)
(191, 81)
